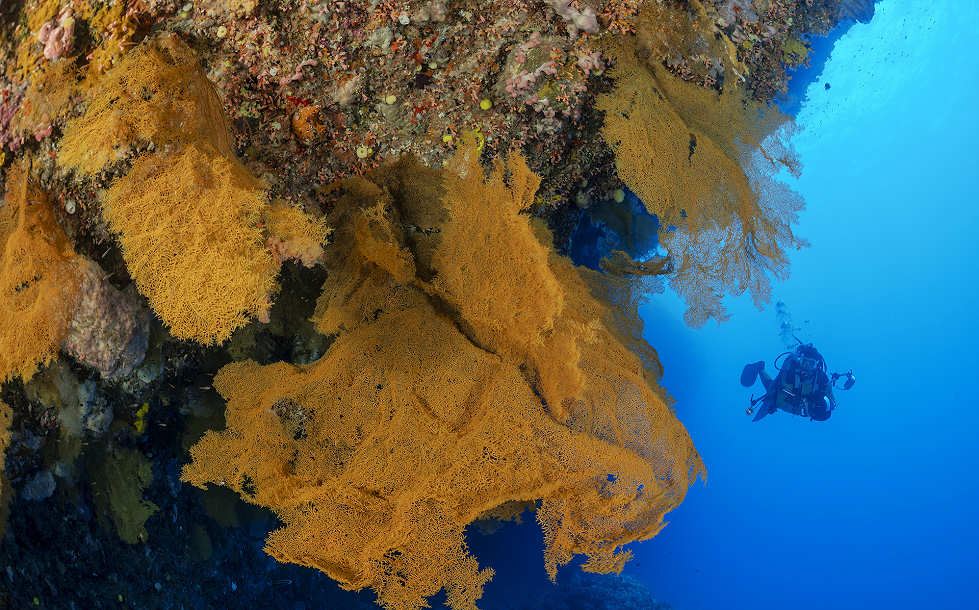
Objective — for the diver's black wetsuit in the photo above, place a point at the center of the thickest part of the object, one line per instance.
(801, 387)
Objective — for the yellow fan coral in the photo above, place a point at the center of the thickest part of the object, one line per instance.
(38, 278)
(703, 162)
(198, 234)
(472, 368)
(200, 259)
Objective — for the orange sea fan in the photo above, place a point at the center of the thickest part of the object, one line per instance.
(704, 163)
(429, 409)
(38, 278)
(200, 258)
(198, 234)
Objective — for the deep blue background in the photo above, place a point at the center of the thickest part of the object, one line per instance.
(876, 508)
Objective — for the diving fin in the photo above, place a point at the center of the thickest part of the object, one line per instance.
(750, 373)
(763, 410)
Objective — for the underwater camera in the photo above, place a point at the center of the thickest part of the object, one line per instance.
(850, 379)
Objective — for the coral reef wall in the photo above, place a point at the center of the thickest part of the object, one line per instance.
(312, 255)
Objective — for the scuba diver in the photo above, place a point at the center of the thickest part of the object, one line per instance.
(802, 386)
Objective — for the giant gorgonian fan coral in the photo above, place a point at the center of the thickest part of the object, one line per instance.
(193, 222)
(464, 375)
(38, 278)
(704, 162)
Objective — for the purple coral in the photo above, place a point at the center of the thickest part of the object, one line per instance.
(56, 34)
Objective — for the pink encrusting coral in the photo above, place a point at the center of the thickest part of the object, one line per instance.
(591, 62)
(8, 110)
(56, 34)
(584, 20)
(521, 82)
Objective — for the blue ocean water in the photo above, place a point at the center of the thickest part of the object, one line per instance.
(875, 508)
